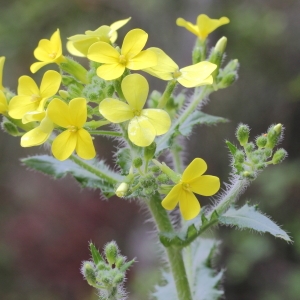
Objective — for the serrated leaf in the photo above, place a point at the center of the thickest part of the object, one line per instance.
(251, 218)
(58, 169)
(231, 147)
(97, 257)
(198, 117)
(124, 160)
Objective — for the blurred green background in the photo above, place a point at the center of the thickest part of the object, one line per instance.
(45, 225)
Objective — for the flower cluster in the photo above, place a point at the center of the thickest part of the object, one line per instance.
(70, 106)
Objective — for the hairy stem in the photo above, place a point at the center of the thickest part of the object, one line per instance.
(174, 253)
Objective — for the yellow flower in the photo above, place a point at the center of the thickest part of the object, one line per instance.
(204, 25)
(40, 134)
(131, 57)
(79, 44)
(30, 98)
(47, 52)
(191, 76)
(144, 124)
(192, 181)
(72, 117)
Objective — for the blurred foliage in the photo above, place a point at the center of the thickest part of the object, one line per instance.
(45, 225)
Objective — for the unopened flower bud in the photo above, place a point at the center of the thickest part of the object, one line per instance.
(137, 162)
(249, 147)
(64, 94)
(120, 261)
(163, 178)
(89, 273)
(74, 90)
(242, 134)
(273, 136)
(122, 189)
(10, 128)
(111, 251)
(239, 156)
(119, 278)
(149, 151)
(279, 156)
(261, 141)
(248, 174)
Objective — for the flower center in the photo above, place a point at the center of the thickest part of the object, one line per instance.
(122, 59)
(52, 55)
(35, 98)
(186, 186)
(177, 74)
(137, 112)
(72, 128)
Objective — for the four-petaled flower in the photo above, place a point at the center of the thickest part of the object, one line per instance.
(131, 57)
(79, 44)
(30, 98)
(47, 52)
(72, 117)
(191, 76)
(144, 124)
(192, 181)
(204, 26)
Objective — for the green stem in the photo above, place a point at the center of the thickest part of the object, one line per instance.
(175, 152)
(92, 169)
(174, 253)
(105, 132)
(162, 102)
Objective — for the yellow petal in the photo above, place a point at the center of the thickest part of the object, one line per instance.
(103, 53)
(207, 25)
(118, 24)
(73, 50)
(134, 41)
(189, 205)
(33, 116)
(141, 132)
(77, 112)
(110, 71)
(196, 75)
(2, 60)
(27, 87)
(38, 135)
(135, 89)
(37, 65)
(195, 169)
(159, 119)
(205, 185)
(56, 43)
(144, 59)
(3, 103)
(58, 112)
(50, 84)
(171, 200)
(115, 111)
(165, 65)
(85, 147)
(187, 25)
(64, 145)
(20, 105)
(43, 50)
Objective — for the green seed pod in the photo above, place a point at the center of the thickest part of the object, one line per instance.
(149, 151)
(111, 251)
(89, 273)
(137, 162)
(279, 156)
(242, 134)
(261, 141)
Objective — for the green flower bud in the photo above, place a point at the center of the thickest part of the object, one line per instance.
(228, 75)
(199, 51)
(64, 94)
(122, 190)
(67, 80)
(102, 266)
(120, 261)
(74, 90)
(221, 45)
(163, 178)
(111, 251)
(109, 90)
(279, 156)
(248, 174)
(149, 191)
(261, 141)
(119, 278)
(149, 151)
(260, 166)
(217, 54)
(242, 134)
(249, 147)
(74, 68)
(155, 169)
(239, 156)
(10, 127)
(137, 162)
(273, 136)
(105, 278)
(89, 273)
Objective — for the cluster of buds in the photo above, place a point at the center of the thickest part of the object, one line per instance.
(254, 157)
(107, 275)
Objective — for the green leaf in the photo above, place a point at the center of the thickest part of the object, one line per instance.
(198, 117)
(97, 257)
(231, 147)
(124, 160)
(249, 217)
(127, 265)
(86, 177)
